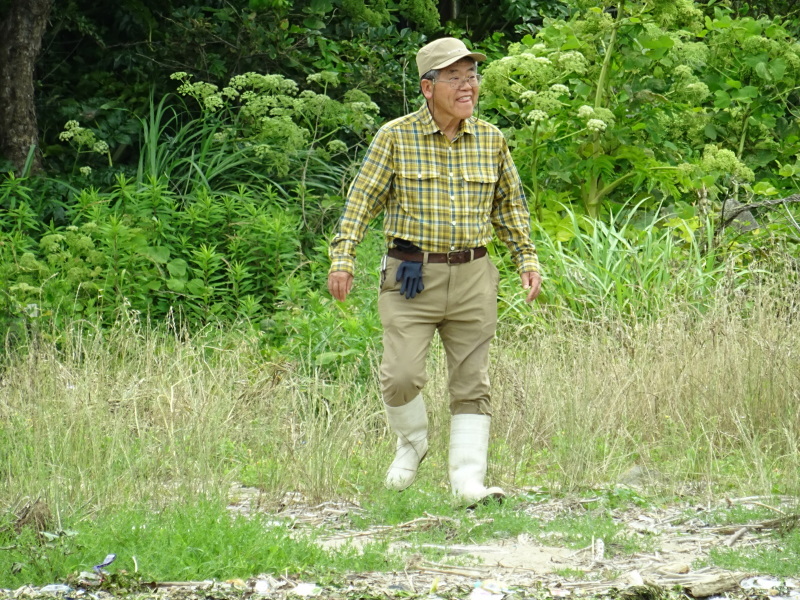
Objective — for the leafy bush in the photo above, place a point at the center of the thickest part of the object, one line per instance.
(653, 101)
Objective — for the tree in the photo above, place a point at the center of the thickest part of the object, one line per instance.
(21, 32)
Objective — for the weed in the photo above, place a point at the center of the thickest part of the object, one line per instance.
(780, 558)
(181, 542)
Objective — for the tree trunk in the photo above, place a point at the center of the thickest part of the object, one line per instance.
(21, 32)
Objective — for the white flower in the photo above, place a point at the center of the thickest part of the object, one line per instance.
(337, 146)
(596, 125)
(85, 171)
(585, 111)
(559, 88)
(537, 116)
(527, 96)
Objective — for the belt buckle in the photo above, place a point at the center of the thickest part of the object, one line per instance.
(453, 254)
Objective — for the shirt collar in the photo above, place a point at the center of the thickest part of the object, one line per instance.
(429, 125)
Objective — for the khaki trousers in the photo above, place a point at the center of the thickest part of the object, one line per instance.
(460, 302)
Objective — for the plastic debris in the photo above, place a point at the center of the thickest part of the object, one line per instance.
(599, 548)
(110, 558)
(760, 583)
(494, 586)
(482, 594)
(55, 588)
(306, 590)
(490, 589)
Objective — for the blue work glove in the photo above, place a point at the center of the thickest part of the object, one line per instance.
(411, 275)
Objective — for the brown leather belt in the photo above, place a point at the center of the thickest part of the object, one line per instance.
(451, 258)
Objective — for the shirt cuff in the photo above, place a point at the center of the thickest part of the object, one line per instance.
(528, 264)
(343, 263)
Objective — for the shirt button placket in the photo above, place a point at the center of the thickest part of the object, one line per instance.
(452, 184)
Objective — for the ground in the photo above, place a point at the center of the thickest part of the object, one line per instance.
(525, 567)
(678, 538)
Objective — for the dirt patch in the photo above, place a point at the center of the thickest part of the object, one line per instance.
(677, 538)
(522, 567)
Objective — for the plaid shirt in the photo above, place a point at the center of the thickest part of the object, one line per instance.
(440, 195)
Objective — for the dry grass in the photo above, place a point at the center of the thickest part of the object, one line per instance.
(707, 399)
(706, 402)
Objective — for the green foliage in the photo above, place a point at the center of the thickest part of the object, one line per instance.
(650, 102)
(223, 220)
(280, 125)
(199, 540)
(759, 560)
(102, 63)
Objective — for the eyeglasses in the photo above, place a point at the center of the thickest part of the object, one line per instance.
(458, 82)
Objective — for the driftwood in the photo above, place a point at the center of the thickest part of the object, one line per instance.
(731, 209)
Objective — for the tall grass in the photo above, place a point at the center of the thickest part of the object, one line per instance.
(708, 400)
(105, 417)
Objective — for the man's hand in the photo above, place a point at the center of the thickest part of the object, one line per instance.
(531, 281)
(339, 284)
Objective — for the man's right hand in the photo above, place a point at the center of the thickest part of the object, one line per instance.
(339, 284)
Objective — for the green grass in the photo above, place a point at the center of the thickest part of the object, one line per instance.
(782, 561)
(780, 557)
(192, 541)
(128, 423)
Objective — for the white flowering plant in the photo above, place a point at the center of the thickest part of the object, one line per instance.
(647, 99)
(86, 143)
(282, 125)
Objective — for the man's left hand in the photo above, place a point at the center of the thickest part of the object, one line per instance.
(531, 281)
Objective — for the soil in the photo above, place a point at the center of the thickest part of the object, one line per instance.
(678, 538)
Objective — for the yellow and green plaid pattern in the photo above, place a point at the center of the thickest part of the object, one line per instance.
(438, 194)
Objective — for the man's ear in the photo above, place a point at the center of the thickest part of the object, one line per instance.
(426, 86)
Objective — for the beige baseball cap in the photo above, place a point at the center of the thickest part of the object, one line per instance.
(442, 52)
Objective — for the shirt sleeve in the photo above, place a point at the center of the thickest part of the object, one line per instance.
(366, 198)
(510, 214)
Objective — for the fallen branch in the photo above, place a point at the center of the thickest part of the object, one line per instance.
(730, 214)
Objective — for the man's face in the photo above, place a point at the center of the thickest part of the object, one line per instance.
(449, 103)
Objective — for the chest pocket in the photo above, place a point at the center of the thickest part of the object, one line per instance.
(479, 187)
(414, 187)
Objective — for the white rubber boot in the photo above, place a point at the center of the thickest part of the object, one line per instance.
(469, 445)
(410, 423)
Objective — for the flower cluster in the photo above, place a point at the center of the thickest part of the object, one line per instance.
(264, 84)
(691, 54)
(724, 161)
(324, 78)
(678, 14)
(596, 125)
(572, 61)
(337, 147)
(597, 119)
(683, 126)
(85, 140)
(516, 73)
(694, 93)
(537, 116)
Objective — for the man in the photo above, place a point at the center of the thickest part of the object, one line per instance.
(445, 181)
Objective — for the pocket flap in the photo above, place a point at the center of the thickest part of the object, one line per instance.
(483, 176)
